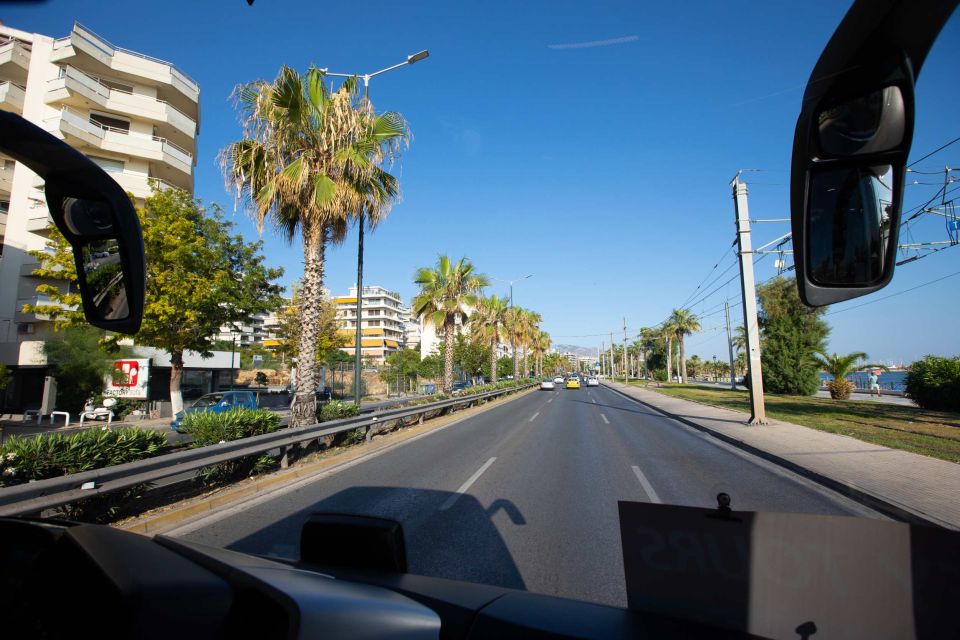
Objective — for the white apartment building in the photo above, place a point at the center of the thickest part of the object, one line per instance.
(134, 115)
(431, 337)
(383, 322)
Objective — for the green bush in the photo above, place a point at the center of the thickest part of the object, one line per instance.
(660, 375)
(934, 383)
(337, 409)
(48, 456)
(209, 428)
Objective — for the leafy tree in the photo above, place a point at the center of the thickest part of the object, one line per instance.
(446, 290)
(5, 377)
(336, 356)
(329, 339)
(504, 366)
(311, 161)
(79, 360)
(792, 334)
(200, 277)
(260, 378)
(404, 363)
(430, 367)
(684, 322)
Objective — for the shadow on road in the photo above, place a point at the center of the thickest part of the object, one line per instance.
(460, 543)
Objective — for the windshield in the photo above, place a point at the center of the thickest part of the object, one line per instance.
(380, 204)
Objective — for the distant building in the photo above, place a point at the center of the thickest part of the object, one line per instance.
(383, 322)
(431, 337)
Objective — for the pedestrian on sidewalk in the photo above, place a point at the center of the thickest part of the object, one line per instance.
(874, 381)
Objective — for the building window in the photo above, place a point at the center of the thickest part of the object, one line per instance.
(108, 164)
(24, 327)
(373, 312)
(4, 206)
(373, 323)
(109, 122)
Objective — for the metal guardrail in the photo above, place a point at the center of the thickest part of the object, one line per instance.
(34, 497)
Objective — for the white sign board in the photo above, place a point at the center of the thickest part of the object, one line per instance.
(130, 379)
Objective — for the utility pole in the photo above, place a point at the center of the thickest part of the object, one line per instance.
(613, 364)
(758, 413)
(733, 375)
(626, 363)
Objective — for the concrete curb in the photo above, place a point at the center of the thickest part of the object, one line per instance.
(878, 503)
(231, 496)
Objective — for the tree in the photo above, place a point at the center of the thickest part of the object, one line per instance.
(504, 366)
(430, 367)
(695, 365)
(684, 323)
(329, 339)
(310, 161)
(792, 334)
(740, 339)
(200, 277)
(539, 344)
(529, 326)
(79, 360)
(260, 378)
(403, 364)
(667, 332)
(839, 367)
(513, 323)
(446, 290)
(487, 324)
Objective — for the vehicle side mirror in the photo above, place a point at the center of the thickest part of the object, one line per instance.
(95, 216)
(850, 148)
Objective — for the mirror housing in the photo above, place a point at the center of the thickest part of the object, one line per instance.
(95, 216)
(851, 144)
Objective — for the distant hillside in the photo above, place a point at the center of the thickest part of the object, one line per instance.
(572, 348)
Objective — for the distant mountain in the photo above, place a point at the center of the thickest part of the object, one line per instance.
(572, 348)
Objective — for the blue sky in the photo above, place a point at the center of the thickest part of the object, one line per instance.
(601, 169)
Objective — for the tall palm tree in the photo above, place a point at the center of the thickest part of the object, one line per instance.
(684, 323)
(529, 327)
(740, 339)
(839, 367)
(446, 291)
(310, 160)
(667, 333)
(512, 322)
(539, 344)
(487, 325)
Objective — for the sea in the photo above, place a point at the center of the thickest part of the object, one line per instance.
(894, 380)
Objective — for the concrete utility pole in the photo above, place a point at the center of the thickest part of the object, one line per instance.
(600, 358)
(613, 364)
(626, 362)
(733, 375)
(758, 413)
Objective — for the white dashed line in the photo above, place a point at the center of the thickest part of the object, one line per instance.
(604, 418)
(646, 485)
(533, 417)
(452, 500)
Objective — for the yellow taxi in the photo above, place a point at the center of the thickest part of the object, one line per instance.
(573, 382)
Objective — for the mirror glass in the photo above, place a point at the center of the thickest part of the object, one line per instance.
(867, 124)
(103, 272)
(849, 220)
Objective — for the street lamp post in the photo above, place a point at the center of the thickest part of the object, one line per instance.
(513, 346)
(358, 343)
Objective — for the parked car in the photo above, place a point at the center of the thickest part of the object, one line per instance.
(593, 382)
(547, 385)
(217, 403)
(460, 386)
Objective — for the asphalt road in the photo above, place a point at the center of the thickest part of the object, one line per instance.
(525, 495)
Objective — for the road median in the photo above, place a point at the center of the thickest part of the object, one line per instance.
(903, 485)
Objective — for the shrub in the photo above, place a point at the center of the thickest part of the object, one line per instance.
(934, 383)
(48, 456)
(209, 428)
(660, 375)
(337, 409)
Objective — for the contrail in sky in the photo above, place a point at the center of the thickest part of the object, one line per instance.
(594, 43)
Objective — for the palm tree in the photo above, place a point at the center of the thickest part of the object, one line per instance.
(310, 160)
(539, 343)
(667, 333)
(684, 323)
(740, 339)
(839, 366)
(486, 325)
(529, 327)
(446, 291)
(513, 323)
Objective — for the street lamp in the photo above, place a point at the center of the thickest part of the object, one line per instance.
(510, 282)
(358, 343)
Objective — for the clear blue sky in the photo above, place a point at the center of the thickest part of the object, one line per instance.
(602, 169)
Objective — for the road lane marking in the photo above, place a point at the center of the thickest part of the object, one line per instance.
(646, 485)
(604, 418)
(550, 400)
(452, 500)
(533, 417)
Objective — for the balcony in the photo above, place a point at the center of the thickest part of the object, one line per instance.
(85, 48)
(6, 176)
(175, 163)
(15, 60)
(79, 89)
(11, 97)
(38, 299)
(139, 185)
(38, 221)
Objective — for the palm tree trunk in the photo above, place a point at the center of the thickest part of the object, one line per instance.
(303, 409)
(683, 361)
(493, 359)
(669, 359)
(513, 347)
(526, 367)
(448, 328)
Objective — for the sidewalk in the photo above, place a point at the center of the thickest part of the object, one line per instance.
(898, 483)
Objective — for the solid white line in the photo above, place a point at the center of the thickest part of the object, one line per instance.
(452, 500)
(604, 418)
(646, 485)
(533, 417)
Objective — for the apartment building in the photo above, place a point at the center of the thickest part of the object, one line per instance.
(431, 337)
(134, 115)
(383, 322)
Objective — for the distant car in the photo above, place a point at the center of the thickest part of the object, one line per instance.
(573, 382)
(593, 382)
(460, 386)
(558, 380)
(547, 385)
(217, 403)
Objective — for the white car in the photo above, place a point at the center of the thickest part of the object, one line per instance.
(593, 382)
(558, 380)
(547, 385)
